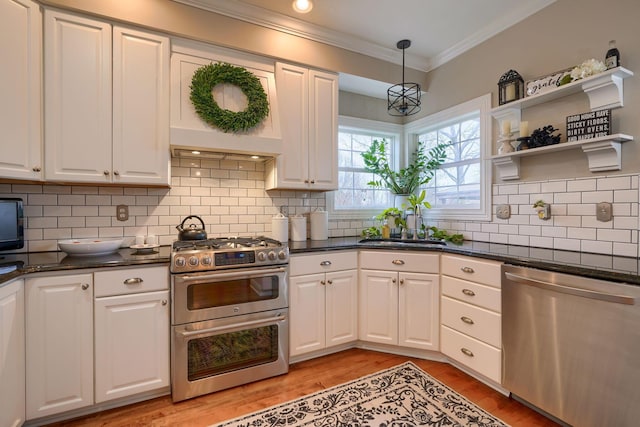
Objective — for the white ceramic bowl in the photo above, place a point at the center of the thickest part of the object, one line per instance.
(87, 247)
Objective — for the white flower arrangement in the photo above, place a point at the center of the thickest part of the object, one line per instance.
(588, 68)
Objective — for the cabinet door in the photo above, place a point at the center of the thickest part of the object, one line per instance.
(140, 107)
(307, 311)
(292, 166)
(378, 306)
(77, 70)
(418, 307)
(341, 307)
(132, 344)
(323, 130)
(21, 89)
(59, 316)
(12, 370)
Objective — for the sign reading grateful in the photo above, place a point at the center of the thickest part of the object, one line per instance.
(588, 125)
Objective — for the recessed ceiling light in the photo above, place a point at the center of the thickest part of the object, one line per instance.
(302, 6)
(255, 157)
(195, 152)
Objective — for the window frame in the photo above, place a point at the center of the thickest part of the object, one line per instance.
(481, 104)
(389, 130)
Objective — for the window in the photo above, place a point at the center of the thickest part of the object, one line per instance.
(354, 197)
(461, 187)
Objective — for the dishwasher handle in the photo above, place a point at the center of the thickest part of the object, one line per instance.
(586, 293)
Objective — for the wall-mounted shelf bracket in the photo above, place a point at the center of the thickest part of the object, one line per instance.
(603, 154)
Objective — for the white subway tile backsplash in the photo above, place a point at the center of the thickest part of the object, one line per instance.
(231, 199)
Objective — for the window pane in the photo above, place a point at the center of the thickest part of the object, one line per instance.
(457, 182)
(354, 193)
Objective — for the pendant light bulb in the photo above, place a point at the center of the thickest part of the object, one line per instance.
(302, 6)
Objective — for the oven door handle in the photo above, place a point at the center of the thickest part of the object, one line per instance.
(217, 275)
(277, 318)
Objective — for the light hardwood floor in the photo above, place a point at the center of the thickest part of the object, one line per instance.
(304, 378)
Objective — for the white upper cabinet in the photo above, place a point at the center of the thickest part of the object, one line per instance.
(106, 102)
(309, 108)
(21, 89)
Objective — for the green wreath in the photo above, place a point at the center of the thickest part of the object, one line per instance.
(208, 76)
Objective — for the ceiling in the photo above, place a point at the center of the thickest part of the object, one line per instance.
(439, 30)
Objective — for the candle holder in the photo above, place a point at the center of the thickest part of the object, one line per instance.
(523, 143)
(505, 145)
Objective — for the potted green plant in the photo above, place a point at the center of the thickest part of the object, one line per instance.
(406, 180)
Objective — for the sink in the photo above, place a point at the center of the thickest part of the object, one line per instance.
(402, 242)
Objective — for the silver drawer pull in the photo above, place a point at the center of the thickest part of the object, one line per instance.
(467, 320)
(325, 263)
(133, 281)
(469, 292)
(466, 352)
(397, 262)
(467, 269)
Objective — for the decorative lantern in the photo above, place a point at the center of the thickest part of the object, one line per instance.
(510, 87)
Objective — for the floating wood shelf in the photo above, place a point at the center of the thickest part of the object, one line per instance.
(603, 153)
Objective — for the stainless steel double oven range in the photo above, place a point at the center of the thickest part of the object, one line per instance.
(229, 316)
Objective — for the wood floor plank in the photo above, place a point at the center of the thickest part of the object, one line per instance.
(304, 378)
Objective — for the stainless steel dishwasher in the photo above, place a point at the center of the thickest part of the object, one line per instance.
(571, 346)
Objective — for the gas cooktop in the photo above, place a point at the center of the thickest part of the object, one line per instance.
(227, 252)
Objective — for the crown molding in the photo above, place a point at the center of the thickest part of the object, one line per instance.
(289, 25)
(285, 24)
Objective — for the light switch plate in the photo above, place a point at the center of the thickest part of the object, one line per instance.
(503, 211)
(604, 211)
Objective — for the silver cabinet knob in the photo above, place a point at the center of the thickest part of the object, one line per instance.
(393, 280)
(85, 286)
(330, 282)
(116, 173)
(164, 302)
(402, 281)
(106, 173)
(36, 169)
(323, 282)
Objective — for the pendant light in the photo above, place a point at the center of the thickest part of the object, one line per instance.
(403, 98)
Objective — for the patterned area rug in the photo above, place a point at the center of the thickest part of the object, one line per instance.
(402, 396)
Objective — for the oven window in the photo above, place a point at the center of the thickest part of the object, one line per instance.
(232, 292)
(231, 351)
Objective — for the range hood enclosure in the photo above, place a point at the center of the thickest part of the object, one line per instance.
(190, 132)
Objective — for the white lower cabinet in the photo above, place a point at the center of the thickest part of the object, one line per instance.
(398, 299)
(59, 325)
(131, 332)
(94, 337)
(471, 314)
(12, 371)
(323, 303)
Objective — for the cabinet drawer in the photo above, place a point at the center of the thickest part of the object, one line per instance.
(475, 354)
(419, 262)
(472, 293)
(322, 263)
(476, 270)
(128, 281)
(471, 320)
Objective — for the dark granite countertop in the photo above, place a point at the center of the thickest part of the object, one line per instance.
(36, 262)
(607, 267)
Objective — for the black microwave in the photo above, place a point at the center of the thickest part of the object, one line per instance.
(11, 224)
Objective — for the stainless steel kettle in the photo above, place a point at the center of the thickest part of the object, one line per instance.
(192, 232)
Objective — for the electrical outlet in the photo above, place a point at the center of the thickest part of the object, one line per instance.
(122, 212)
(503, 211)
(604, 211)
